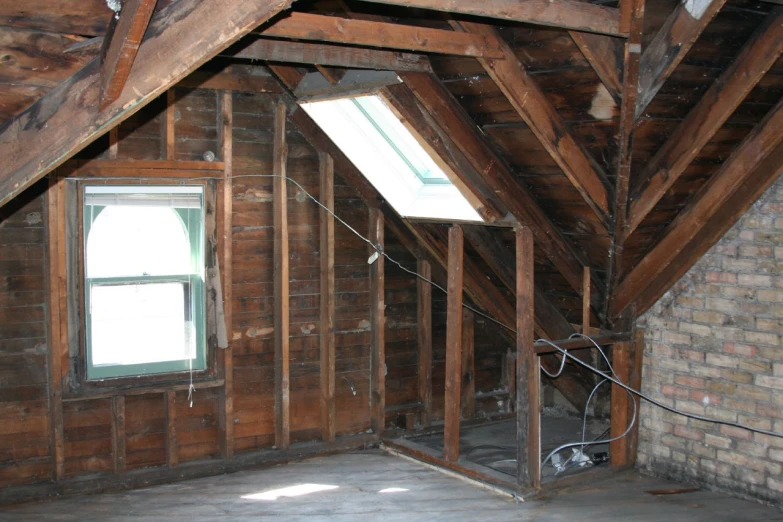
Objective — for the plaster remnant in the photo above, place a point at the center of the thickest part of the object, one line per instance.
(33, 218)
(364, 324)
(696, 8)
(259, 332)
(307, 329)
(603, 105)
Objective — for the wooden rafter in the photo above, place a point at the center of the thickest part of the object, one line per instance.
(743, 164)
(451, 116)
(671, 44)
(568, 14)
(121, 45)
(181, 37)
(537, 111)
(332, 55)
(332, 29)
(706, 118)
(630, 90)
(230, 81)
(605, 55)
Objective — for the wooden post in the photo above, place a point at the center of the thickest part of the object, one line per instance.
(618, 450)
(225, 144)
(170, 416)
(424, 308)
(282, 384)
(586, 301)
(528, 406)
(635, 382)
(453, 345)
(118, 433)
(114, 134)
(57, 323)
(378, 320)
(468, 370)
(326, 172)
(168, 136)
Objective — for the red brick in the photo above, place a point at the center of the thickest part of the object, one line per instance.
(687, 380)
(748, 350)
(736, 433)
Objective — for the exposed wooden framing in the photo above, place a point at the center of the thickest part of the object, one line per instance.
(181, 36)
(282, 311)
(670, 45)
(532, 105)
(287, 75)
(332, 74)
(605, 56)
(332, 29)
(334, 55)
(453, 345)
(762, 142)
(133, 390)
(424, 314)
(114, 137)
(450, 115)
(468, 381)
(170, 421)
(378, 323)
(225, 126)
(630, 91)
(635, 382)
(118, 433)
(327, 342)
(56, 257)
(620, 404)
(586, 302)
(579, 343)
(706, 118)
(168, 129)
(230, 81)
(121, 45)
(711, 230)
(568, 14)
(462, 173)
(528, 398)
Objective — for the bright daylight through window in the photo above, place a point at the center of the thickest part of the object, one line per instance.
(144, 279)
(390, 157)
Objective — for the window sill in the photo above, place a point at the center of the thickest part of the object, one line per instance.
(88, 392)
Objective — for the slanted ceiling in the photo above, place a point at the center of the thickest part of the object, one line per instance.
(627, 137)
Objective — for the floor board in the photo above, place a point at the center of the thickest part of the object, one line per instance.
(373, 485)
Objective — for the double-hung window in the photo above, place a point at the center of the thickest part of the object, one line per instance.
(144, 279)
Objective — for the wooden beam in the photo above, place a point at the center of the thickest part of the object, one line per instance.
(225, 126)
(114, 143)
(630, 91)
(568, 14)
(181, 37)
(453, 345)
(605, 56)
(468, 381)
(332, 74)
(282, 310)
(327, 342)
(334, 55)
(706, 118)
(287, 75)
(462, 173)
(620, 404)
(586, 302)
(528, 399)
(762, 142)
(670, 45)
(378, 322)
(230, 81)
(532, 105)
(635, 381)
(450, 115)
(168, 128)
(121, 46)
(332, 29)
(170, 422)
(424, 315)
(118, 434)
(57, 320)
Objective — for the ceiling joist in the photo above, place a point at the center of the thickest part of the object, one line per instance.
(181, 37)
(605, 56)
(566, 14)
(332, 29)
(671, 44)
(706, 118)
(540, 115)
(331, 55)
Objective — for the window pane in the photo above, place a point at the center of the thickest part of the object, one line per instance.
(139, 323)
(127, 241)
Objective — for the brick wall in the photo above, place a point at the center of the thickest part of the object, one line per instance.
(714, 348)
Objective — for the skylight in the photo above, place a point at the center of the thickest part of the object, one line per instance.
(390, 157)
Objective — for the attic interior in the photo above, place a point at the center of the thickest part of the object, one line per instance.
(237, 234)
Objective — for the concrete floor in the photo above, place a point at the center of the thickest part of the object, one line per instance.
(373, 485)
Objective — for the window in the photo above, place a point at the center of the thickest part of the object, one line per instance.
(390, 157)
(144, 279)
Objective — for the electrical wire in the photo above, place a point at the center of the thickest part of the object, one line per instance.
(564, 352)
